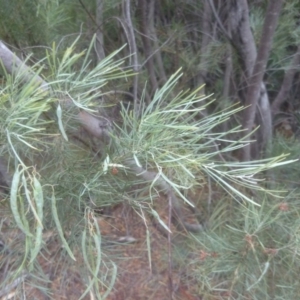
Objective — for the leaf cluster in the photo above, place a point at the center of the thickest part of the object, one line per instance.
(61, 176)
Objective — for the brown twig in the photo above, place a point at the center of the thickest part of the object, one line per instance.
(170, 250)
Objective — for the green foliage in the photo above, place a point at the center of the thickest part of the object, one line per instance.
(251, 252)
(251, 247)
(49, 170)
(20, 22)
(59, 179)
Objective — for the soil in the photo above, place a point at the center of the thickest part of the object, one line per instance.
(144, 270)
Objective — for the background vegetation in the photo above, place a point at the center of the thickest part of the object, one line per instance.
(77, 210)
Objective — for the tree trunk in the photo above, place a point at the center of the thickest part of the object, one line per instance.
(206, 37)
(157, 54)
(256, 79)
(99, 45)
(13, 65)
(133, 51)
(241, 34)
(144, 20)
(253, 64)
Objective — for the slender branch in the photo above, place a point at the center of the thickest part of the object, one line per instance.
(228, 36)
(99, 45)
(157, 52)
(87, 11)
(133, 51)
(170, 251)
